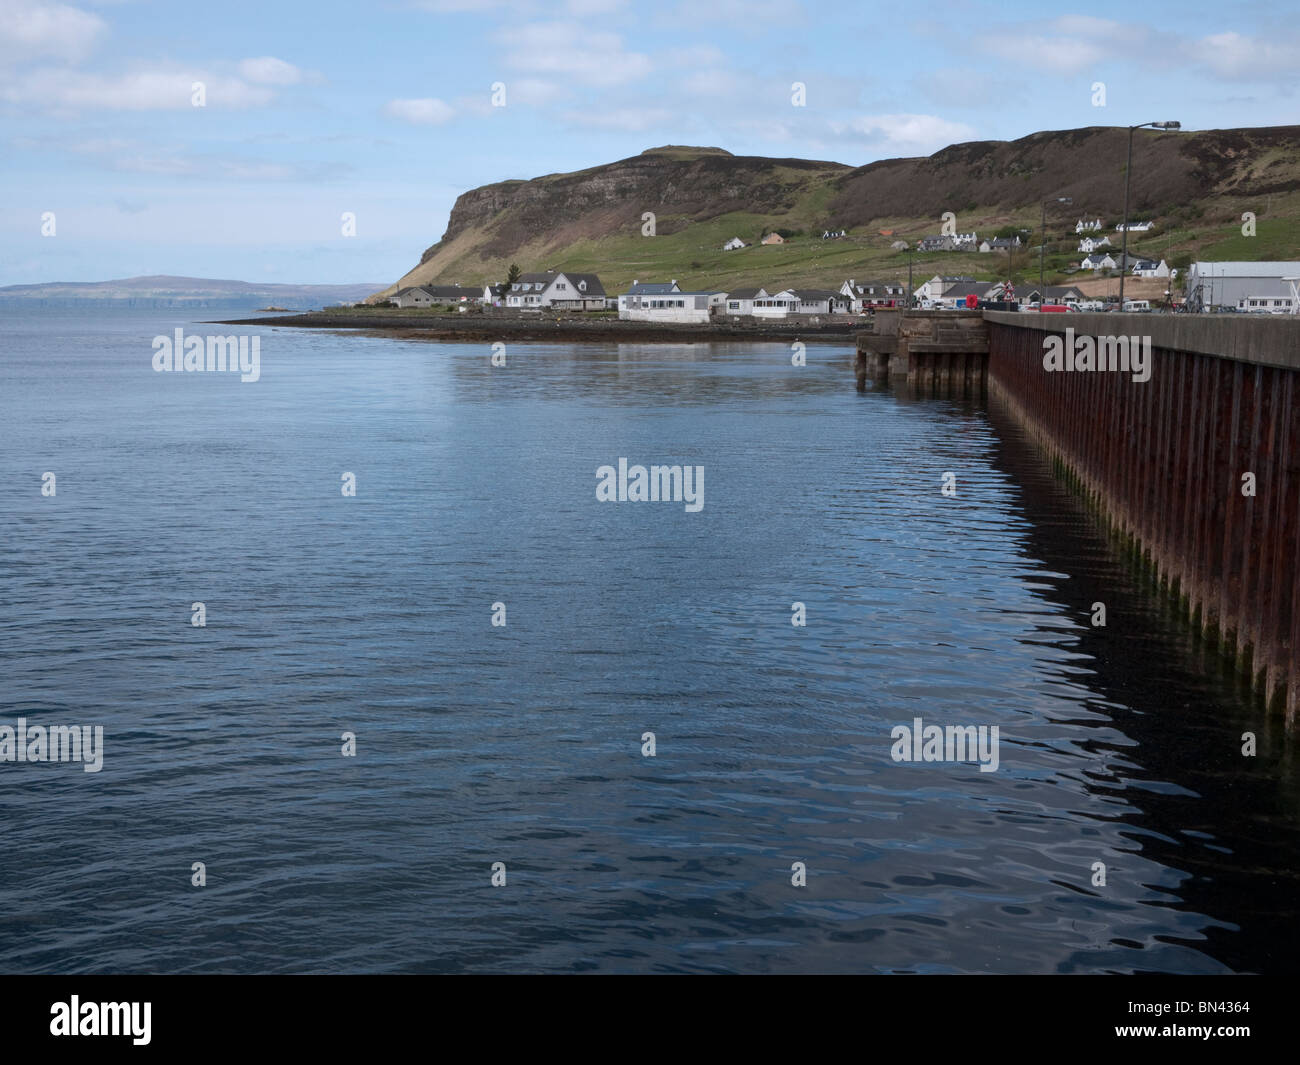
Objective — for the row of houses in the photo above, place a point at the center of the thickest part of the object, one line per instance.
(1100, 260)
(666, 302)
(554, 289)
(958, 290)
(1094, 226)
(1261, 287)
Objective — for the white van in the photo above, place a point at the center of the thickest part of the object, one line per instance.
(1137, 305)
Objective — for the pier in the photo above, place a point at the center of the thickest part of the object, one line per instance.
(929, 351)
(1194, 462)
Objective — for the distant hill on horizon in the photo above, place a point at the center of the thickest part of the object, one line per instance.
(1193, 185)
(165, 290)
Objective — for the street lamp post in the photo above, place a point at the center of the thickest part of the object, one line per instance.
(1042, 248)
(1128, 173)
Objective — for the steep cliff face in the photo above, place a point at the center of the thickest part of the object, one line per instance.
(519, 220)
(697, 183)
(592, 219)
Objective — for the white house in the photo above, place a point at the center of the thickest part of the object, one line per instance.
(863, 294)
(676, 306)
(935, 288)
(630, 302)
(799, 301)
(1135, 227)
(777, 305)
(1066, 294)
(741, 301)
(733, 244)
(1084, 226)
(1098, 260)
(821, 301)
(1091, 244)
(1150, 268)
(564, 291)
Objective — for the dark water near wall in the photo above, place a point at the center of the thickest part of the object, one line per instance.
(522, 745)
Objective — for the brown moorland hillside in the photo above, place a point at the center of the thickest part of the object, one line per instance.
(591, 219)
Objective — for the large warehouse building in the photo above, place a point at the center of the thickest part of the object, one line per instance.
(1258, 287)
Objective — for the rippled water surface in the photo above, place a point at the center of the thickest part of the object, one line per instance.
(479, 744)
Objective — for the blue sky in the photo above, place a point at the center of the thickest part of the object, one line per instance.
(385, 109)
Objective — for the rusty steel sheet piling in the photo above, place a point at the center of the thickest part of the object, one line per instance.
(1168, 463)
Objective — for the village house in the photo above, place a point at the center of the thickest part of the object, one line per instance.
(999, 244)
(937, 286)
(734, 244)
(741, 301)
(953, 242)
(956, 296)
(435, 295)
(563, 291)
(631, 300)
(1150, 268)
(1098, 260)
(777, 305)
(1083, 226)
(799, 301)
(864, 294)
(773, 238)
(668, 303)
(1091, 244)
(1066, 294)
(1135, 227)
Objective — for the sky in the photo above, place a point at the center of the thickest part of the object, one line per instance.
(387, 111)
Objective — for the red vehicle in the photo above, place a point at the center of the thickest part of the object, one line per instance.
(1053, 308)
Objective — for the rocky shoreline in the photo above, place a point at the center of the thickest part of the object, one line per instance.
(561, 328)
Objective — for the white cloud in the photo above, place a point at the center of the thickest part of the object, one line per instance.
(67, 90)
(573, 52)
(267, 70)
(31, 29)
(1233, 56)
(904, 134)
(422, 112)
(1068, 55)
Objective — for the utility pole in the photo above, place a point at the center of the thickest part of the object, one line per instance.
(1128, 173)
(1042, 248)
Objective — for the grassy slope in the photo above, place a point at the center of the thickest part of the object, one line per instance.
(691, 251)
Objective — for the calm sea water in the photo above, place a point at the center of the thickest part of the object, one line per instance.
(523, 745)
